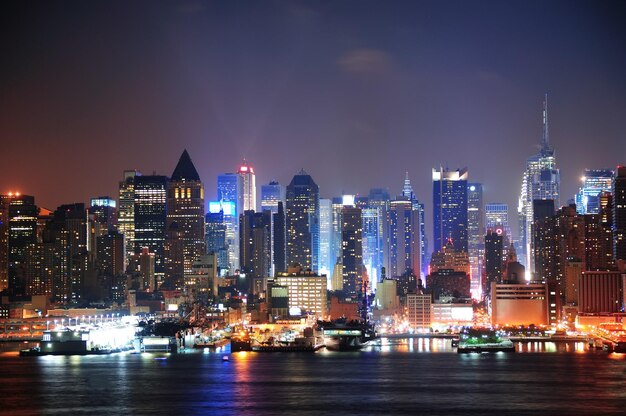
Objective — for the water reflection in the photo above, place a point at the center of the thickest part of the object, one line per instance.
(444, 345)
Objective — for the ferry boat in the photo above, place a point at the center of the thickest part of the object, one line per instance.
(346, 336)
(479, 341)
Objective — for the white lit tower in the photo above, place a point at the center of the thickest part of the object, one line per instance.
(246, 172)
(541, 180)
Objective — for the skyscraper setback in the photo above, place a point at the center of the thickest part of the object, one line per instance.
(541, 181)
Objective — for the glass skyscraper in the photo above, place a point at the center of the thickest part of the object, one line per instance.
(230, 196)
(450, 208)
(595, 182)
(271, 194)
(475, 234)
(302, 222)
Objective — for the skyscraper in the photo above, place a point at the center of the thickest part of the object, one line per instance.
(271, 194)
(541, 181)
(595, 181)
(151, 219)
(22, 232)
(402, 239)
(407, 192)
(246, 172)
(326, 260)
(497, 216)
(475, 233)
(352, 251)
(493, 259)
(379, 200)
(302, 221)
(126, 211)
(5, 200)
(450, 208)
(230, 197)
(185, 206)
(619, 214)
(279, 246)
(371, 240)
(215, 238)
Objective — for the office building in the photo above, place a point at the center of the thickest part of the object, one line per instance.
(22, 232)
(307, 290)
(601, 292)
(475, 234)
(594, 182)
(540, 181)
(419, 310)
(230, 199)
(151, 219)
(450, 208)
(619, 215)
(302, 221)
(352, 251)
(326, 260)
(185, 207)
(519, 304)
(402, 239)
(215, 238)
(126, 211)
(271, 195)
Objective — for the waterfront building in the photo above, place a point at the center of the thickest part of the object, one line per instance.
(307, 290)
(601, 292)
(450, 208)
(185, 207)
(126, 211)
(540, 181)
(151, 219)
(594, 182)
(419, 310)
(519, 304)
(302, 221)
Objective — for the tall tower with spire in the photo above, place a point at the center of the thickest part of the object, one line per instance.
(541, 181)
(185, 211)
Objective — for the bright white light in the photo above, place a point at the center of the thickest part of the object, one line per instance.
(348, 200)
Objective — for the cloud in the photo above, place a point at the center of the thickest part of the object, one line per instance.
(365, 61)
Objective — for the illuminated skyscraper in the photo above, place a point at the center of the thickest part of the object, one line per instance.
(352, 251)
(4, 241)
(407, 191)
(541, 181)
(126, 211)
(450, 208)
(230, 195)
(402, 238)
(22, 232)
(246, 172)
(619, 214)
(271, 194)
(378, 200)
(215, 238)
(227, 211)
(497, 216)
(104, 212)
(475, 234)
(371, 245)
(595, 181)
(302, 221)
(151, 219)
(185, 207)
(326, 260)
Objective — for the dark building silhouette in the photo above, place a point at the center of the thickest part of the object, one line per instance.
(280, 240)
(302, 221)
(619, 214)
(352, 251)
(493, 259)
(22, 233)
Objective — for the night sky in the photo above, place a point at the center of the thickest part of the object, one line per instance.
(354, 92)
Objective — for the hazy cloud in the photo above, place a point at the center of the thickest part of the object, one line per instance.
(365, 61)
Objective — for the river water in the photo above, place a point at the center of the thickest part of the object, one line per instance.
(399, 377)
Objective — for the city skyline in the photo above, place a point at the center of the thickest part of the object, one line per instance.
(384, 87)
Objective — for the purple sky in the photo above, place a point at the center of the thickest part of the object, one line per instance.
(354, 92)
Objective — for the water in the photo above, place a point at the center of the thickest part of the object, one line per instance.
(417, 376)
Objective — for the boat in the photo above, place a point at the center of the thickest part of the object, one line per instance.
(483, 340)
(211, 344)
(340, 335)
(240, 344)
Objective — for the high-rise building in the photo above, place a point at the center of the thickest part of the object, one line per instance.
(302, 221)
(407, 192)
(5, 200)
(379, 200)
(475, 233)
(371, 245)
(497, 216)
(185, 207)
(543, 244)
(126, 211)
(254, 244)
(151, 219)
(279, 245)
(402, 239)
(493, 259)
(104, 212)
(230, 198)
(450, 208)
(599, 236)
(22, 232)
(248, 181)
(326, 260)
(110, 261)
(595, 181)
(215, 237)
(271, 195)
(619, 214)
(541, 180)
(352, 251)
(335, 241)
